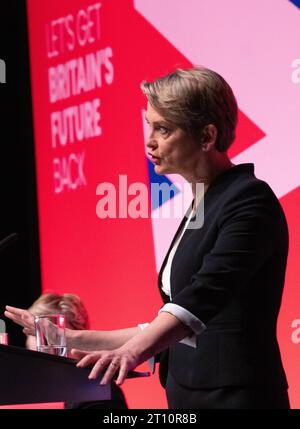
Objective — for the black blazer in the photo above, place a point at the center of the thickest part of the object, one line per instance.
(230, 274)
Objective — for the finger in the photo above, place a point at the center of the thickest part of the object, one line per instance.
(21, 317)
(98, 368)
(122, 375)
(78, 354)
(111, 370)
(14, 310)
(87, 360)
(29, 331)
(13, 317)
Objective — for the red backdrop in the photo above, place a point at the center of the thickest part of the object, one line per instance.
(92, 56)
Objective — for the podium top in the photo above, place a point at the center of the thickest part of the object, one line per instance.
(30, 377)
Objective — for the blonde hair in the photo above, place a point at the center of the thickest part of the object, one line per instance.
(67, 304)
(193, 98)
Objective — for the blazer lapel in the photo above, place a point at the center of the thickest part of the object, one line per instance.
(182, 223)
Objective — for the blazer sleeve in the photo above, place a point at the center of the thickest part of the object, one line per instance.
(246, 230)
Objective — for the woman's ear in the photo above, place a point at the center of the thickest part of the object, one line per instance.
(208, 137)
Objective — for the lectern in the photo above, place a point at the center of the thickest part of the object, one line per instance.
(31, 377)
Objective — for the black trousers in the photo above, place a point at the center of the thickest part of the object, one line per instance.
(229, 397)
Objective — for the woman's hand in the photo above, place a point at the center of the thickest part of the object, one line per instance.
(163, 331)
(109, 363)
(22, 317)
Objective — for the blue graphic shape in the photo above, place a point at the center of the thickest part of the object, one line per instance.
(159, 198)
(296, 3)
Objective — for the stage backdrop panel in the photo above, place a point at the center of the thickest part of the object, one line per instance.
(88, 59)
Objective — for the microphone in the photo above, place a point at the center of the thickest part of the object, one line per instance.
(7, 241)
(3, 334)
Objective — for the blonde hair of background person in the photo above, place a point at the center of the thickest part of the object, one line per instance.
(68, 304)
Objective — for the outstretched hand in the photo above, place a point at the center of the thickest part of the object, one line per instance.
(22, 317)
(108, 363)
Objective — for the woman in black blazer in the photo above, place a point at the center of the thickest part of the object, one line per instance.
(221, 282)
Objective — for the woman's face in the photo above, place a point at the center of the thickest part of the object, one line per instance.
(171, 149)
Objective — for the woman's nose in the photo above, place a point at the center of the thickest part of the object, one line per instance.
(151, 143)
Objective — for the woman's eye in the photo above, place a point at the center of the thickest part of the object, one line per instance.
(163, 130)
